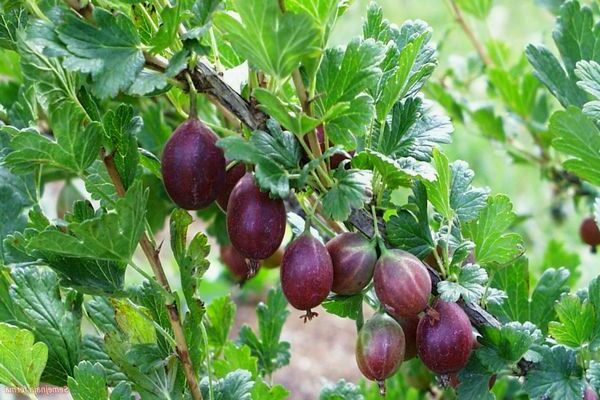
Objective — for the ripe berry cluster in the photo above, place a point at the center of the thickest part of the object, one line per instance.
(195, 174)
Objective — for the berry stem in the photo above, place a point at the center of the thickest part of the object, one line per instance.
(381, 385)
(193, 97)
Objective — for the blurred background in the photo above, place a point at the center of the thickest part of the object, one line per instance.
(323, 350)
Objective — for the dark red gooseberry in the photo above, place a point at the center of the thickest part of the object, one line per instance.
(589, 393)
(380, 348)
(232, 177)
(255, 222)
(409, 326)
(193, 167)
(589, 232)
(353, 257)
(402, 283)
(444, 338)
(306, 274)
(235, 262)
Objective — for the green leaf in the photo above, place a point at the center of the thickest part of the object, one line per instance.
(594, 299)
(414, 130)
(490, 125)
(262, 391)
(152, 387)
(287, 115)
(409, 230)
(236, 357)
(191, 259)
(111, 236)
(558, 376)
(351, 190)
(147, 357)
(576, 38)
(474, 381)
(101, 313)
(579, 138)
(469, 285)
(17, 192)
(121, 128)
(99, 184)
(21, 361)
(344, 306)
(192, 266)
(134, 322)
(344, 76)
(557, 255)
(236, 385)
(200, 21)
(153, 301)
(576, 322)
(551, 73)
(12, 23)
(514, 280)
(341, 390)
(593, 374)
(394, 172)
(109, 49)
(54, 86)
(54, 321)
(220, 315)
(151, 82)
(275, 155)
(170, 18)
(409, 60)
(88, 382)
(477, 8)
(122, 392)
(466, 201)
(73, 148)
(503, 347)
(588, 73)
(323, 12)
(267, 347)
(439, 191)
(492, 244)
(272, 41)
(518, 92)
(92, 350)
(551, 285)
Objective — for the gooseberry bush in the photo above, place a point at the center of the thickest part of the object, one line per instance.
(131, 104)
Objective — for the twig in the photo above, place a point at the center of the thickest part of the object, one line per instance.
(460, 19)
(152, 254)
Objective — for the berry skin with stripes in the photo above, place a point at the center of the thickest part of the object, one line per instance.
(255, 222)
(306, 274)
(402, 283)
(353, 257)
(445, 338)
(193, 167)
(380, 348)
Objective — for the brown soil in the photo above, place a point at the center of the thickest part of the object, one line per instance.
(322, 351)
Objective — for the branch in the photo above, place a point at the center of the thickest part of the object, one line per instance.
(460, 19)
(360, 219)
(152, 254)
